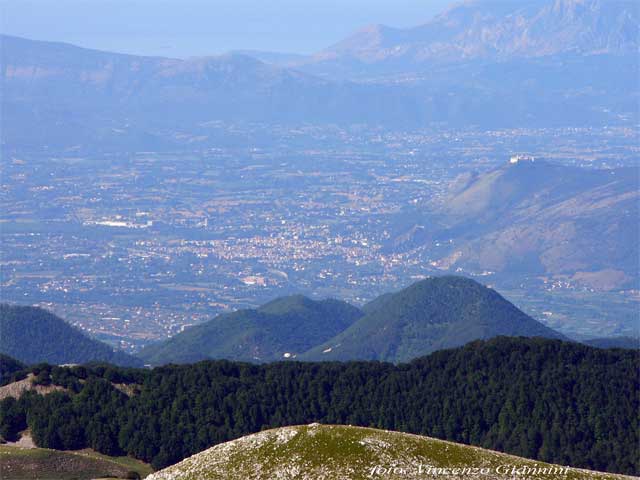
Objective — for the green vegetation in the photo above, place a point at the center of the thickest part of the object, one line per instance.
(286, 325)
(430, 315)
(33, 335)
(9, 366)
(435, 313)
(543, 399)
(339, 452)
(26, 464)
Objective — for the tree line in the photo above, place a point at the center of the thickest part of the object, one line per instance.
(543, 399)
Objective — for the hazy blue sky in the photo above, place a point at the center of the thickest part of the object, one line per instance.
(201, 27)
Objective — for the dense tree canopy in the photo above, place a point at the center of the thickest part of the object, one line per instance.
(33, 335)
(286, 325)
(432, 314)
(9, 366)
(555, 401)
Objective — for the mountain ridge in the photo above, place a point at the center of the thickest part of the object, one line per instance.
(429, 315)
(318, 451)
(395, 327)
(498, 30)
(33, 335)
(278, 330)
(118, 101)
(547, 219)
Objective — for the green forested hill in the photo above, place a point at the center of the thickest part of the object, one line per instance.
(432, 314)
(33, 335)
(558, 402)
(286, 326)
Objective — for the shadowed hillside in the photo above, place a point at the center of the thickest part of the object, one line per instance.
(33, 335)
(281, 329)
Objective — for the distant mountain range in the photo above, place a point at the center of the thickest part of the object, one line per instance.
(33, 335)
(545, 219)
(489, 30)
(432, 314)
(122, 100)
(485, 64)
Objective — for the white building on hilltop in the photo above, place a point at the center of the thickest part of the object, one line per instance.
(522, 158)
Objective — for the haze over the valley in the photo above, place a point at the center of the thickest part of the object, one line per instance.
(319, 239)
(193, 28)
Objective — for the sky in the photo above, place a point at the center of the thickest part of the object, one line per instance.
(183, 28)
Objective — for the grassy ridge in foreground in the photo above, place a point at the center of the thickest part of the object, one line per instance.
(352, 453)
(44, 464)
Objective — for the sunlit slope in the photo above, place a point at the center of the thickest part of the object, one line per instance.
(343, 452)
(542, 218)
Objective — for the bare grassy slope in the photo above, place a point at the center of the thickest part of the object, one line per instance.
(325, 452)
(44, 464)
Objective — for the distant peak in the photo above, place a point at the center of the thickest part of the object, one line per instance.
(234, 58)
(374, 28)
(451, 279)
(498, 29)
(288, 302)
